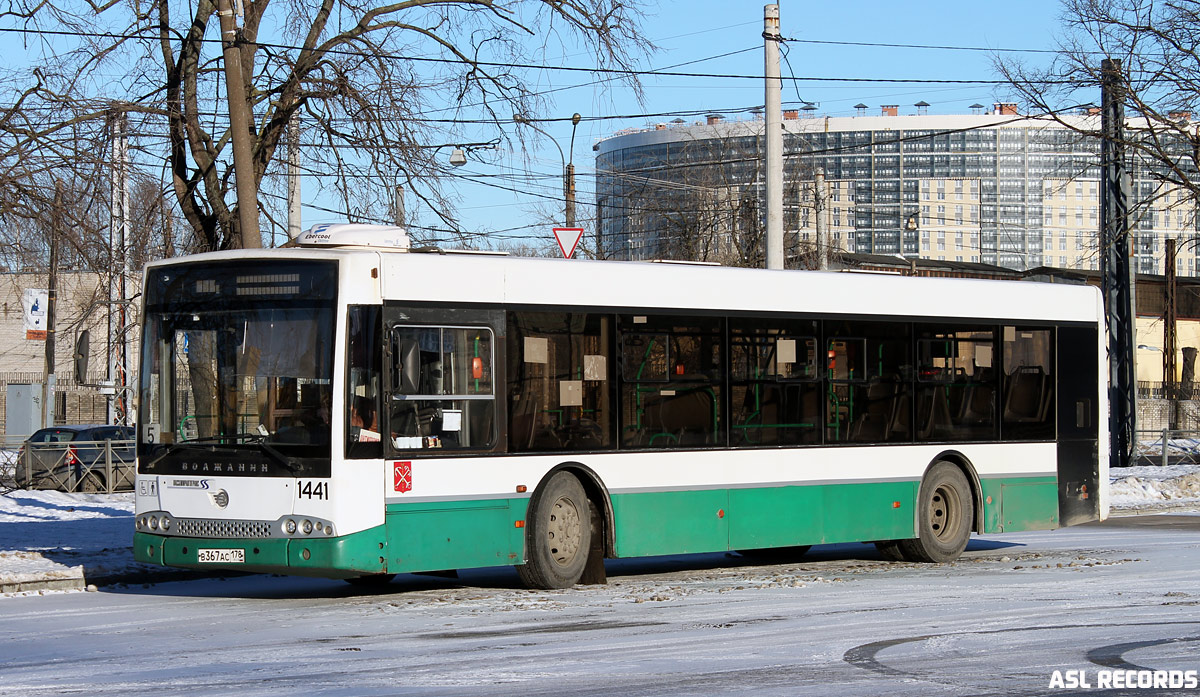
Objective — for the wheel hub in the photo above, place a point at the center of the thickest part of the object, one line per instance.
(563, 531)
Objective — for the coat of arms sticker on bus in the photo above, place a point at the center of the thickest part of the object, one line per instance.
(402, 476)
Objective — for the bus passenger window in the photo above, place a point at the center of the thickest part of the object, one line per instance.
(1027, 405)
(868, 382)
(956, 383)
(774, 382)
(671, 379)
(560, 393)
(442, 396)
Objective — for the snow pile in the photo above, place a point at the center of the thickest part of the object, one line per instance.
(1149, 487)
(51, 534)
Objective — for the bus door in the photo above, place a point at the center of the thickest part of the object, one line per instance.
(1078, 426)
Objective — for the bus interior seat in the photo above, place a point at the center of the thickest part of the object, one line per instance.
(978, 404)
(874, 423)
(683, 418)
(1027, 397)
(934, 412)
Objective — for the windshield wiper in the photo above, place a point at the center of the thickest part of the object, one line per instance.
(288, 462)
(258, 439)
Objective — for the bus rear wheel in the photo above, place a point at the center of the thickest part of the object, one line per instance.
(558, 534)
(945, 511)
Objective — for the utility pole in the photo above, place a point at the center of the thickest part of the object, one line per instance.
(398, 211)
(569, 174)
(293, 191)
(1115, 268)
(118, 270)
(239, 130)
(48, 379)
(773, 123)
(1169, 337)
(819, 209)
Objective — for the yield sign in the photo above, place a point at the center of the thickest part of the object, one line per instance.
(568, 238)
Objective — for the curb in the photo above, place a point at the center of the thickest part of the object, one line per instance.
(71, 583)
(129, 578)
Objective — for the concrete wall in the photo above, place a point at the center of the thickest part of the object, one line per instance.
(81, 304)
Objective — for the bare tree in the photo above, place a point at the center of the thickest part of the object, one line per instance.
(366, 81)
(1160, 61)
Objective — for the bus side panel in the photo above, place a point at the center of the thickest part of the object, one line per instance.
(436, 536)
(870, 511)
(819, 514)
(1027, 503)
(776, 517)
(670, 522)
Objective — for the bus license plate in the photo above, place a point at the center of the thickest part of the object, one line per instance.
(221, 556)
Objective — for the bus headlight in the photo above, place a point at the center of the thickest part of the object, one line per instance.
(166, 523)
(307, 527)
(153, 522)
(289, 526)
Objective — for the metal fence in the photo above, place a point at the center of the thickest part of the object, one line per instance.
(1168, 447)
(83, 466)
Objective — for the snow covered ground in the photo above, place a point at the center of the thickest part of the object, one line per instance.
(54, 535)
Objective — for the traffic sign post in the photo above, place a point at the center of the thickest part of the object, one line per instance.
(568, 238)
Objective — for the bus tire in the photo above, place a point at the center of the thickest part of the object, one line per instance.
(890, 550)
(944, 514)
(558, 534)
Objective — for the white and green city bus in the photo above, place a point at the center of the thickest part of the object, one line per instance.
(352, 408)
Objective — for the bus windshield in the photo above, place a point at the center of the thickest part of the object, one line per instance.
(228, 372)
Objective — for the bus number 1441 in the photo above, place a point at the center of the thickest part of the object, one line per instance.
(312, 490)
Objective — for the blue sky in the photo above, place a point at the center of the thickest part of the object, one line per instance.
(691, 31)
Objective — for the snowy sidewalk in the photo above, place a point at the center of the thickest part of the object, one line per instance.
(50, 540)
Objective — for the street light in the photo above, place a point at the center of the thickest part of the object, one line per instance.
(568, 162)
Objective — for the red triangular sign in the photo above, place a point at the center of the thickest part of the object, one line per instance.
(568, 238)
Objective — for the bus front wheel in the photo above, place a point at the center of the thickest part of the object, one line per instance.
(945, 511)
(558, 534)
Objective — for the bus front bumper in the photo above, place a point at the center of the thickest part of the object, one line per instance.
(358, 554)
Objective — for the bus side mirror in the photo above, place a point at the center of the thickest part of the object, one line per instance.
(82, 345)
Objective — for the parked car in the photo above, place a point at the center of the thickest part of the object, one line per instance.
(75, 458)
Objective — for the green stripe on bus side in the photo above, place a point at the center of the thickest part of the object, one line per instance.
(432, 536)
(721, 519)
(1020, 503)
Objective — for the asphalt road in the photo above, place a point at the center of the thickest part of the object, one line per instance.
(1097, 602)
